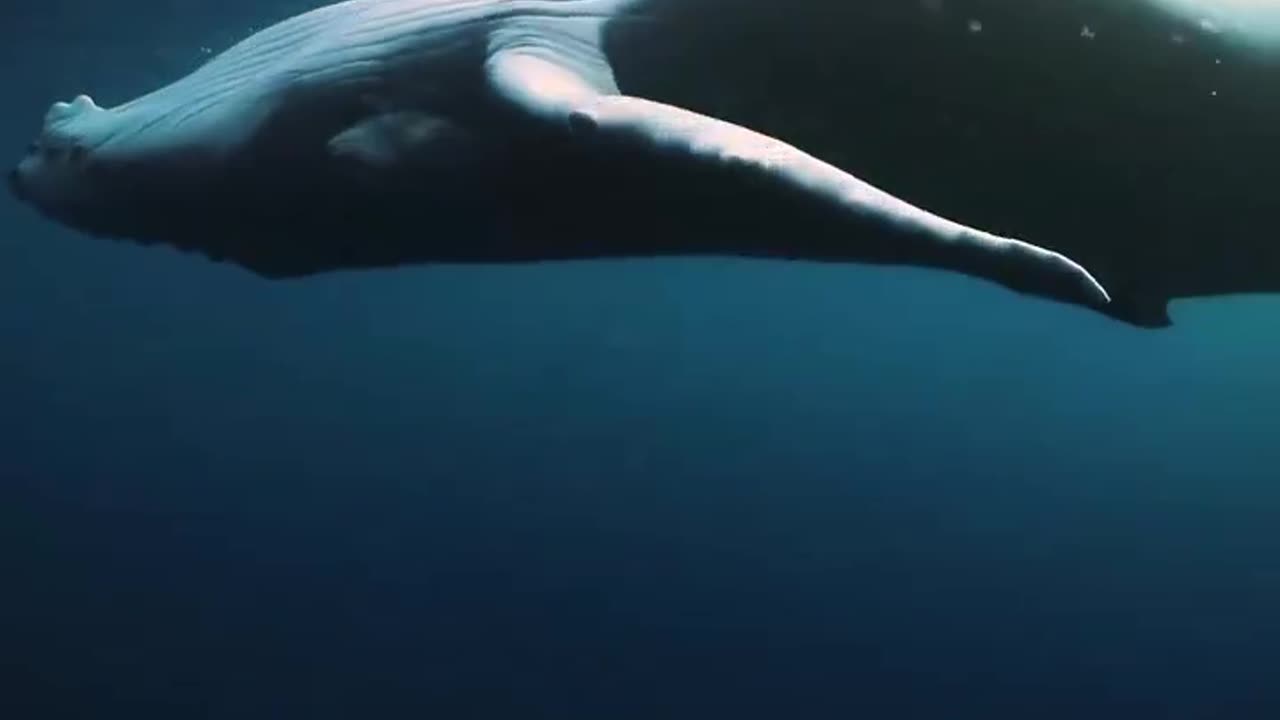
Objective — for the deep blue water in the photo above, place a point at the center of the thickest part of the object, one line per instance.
(668, 489)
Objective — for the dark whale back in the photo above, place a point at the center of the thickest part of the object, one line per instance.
(1135, 142)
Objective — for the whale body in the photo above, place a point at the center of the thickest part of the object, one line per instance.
(377, 132)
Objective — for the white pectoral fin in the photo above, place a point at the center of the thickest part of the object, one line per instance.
(545, 68)
(718, 145)
(540, 87)
(552, 92)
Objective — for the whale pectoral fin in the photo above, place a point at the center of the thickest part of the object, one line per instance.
(546, 68)
(549, 91)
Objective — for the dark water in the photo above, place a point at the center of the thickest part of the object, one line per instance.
(682, 489)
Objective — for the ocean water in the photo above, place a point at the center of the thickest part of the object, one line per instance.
(653, 489)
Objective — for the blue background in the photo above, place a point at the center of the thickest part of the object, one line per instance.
(694, 488)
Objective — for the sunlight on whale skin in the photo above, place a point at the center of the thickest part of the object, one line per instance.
(1254, 22)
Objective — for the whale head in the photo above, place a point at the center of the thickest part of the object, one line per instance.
(66, 173)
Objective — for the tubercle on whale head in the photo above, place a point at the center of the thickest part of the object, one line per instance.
(58, 173)
(69, 131)
(62, 111)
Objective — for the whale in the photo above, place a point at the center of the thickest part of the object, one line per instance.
(375, 133)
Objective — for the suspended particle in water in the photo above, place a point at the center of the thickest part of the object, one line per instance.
(975, 26)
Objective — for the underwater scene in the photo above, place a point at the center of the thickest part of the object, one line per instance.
(613, 359)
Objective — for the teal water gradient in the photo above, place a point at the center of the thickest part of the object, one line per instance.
(699, 488)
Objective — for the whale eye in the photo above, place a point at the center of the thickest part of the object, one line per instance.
(77, 154)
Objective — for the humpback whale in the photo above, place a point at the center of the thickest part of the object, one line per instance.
(381, 132)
